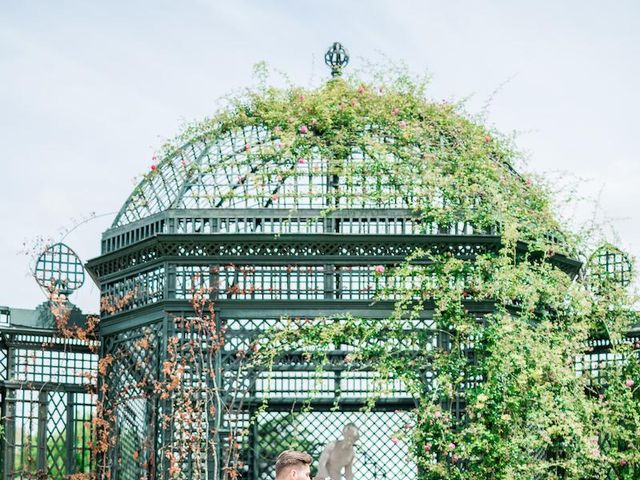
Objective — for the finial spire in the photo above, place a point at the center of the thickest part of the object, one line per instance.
(337, 58)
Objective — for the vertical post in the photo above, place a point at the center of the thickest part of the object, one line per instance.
(41, 462)
(9, 441)
(254, 447)
(71, 435)
(170, 284)
(164, 435)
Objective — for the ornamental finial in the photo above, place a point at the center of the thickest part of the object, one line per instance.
(337, 58)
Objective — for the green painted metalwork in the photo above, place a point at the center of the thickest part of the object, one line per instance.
(47, 404)
(59, 268)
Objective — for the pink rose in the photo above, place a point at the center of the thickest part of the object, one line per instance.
(303, 129)
(274, 197)
(487, 138)
(379, 269)
(301, 161)
(395, 111)
(301, 97)
(361, 89)
(451, 446)
(394, 440)
(427, 447)
(247, 147)
(154, 167)
(629, 383)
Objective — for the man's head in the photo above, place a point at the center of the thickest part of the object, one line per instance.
(292, 465)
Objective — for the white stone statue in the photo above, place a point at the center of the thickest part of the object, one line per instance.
(339, 455)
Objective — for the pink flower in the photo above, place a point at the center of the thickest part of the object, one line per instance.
(600, 396)
(438, 414)
(487, 138)
(623, 462)
(394, 440)
(348, 358)
(402, 124)
(301, 161)
(247, 147)
(274, 197)
(301, 97)
(427, 447)
(629, 383)
(361, 89)
(451, 446)
(154, 167)
(395, 111)
(379, 269)
(454, 458)
(303, 129)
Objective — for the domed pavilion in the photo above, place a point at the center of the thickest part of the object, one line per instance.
(288, 206)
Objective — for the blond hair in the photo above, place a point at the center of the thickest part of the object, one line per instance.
(291, 458)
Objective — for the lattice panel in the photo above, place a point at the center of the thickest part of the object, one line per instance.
(611, 264)
(133, 432)
(4, 374)
(280, 221)
(83, 411)
(136, 290)
(228, 249)
(294, 376)
(56, 425)
(46, 364)
(380, 453)
(48, 433)
(25, 450)
(130, 378)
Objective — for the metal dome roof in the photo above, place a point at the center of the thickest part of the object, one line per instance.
(237, 170)
(370, 160)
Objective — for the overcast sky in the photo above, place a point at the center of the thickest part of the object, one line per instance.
(89, 90)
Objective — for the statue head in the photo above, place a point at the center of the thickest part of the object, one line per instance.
(350, 433)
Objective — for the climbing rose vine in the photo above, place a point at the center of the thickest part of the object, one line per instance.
(522, 367)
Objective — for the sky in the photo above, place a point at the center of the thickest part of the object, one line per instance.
(90, 90)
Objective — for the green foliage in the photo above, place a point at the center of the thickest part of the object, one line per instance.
(529, 415)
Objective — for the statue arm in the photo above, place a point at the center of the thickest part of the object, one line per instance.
(348, 470)
(323, 471)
